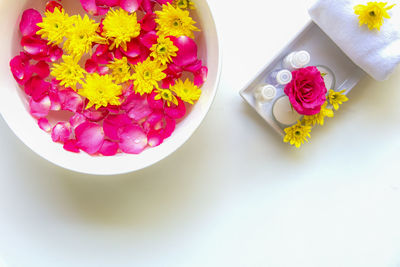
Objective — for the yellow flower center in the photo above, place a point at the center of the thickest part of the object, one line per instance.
(161, 49)
(177, 23)
(147, 74)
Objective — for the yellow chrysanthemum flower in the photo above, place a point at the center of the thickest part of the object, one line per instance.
(372, 14)
(101, 91)
(166, 95)
(120, 70)
(175, 22)
(120, 27)
(147, 75)
(320, 117)
(68, 72)
(54, 26)
(337, 98)
(81, 36)
(163, 50)
(187, 91)
(297, 134)
(184, 4)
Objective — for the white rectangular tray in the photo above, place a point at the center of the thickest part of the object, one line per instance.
(323, 52)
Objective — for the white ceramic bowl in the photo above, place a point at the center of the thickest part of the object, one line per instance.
(13, 105)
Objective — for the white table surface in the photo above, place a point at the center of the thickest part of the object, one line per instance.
(234, 194)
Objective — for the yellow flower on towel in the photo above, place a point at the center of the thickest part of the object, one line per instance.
(372, 14)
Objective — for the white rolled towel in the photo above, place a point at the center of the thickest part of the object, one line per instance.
(376, 52)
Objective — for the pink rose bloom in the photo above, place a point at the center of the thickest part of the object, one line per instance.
(306, 91)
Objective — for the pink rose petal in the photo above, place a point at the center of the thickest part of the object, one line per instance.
(113, 123)
(42, 69)
(61, 132)
(109, 148)
(40, 88)
(90, 137)
(90, 6)
(30, 19)
(70, 100)
(201, 76)
(91, 66)
(187, 53)
(133, 48)
(148, 6)
(20, 69)
(154, 104)
(44, 125)
(55, 53)
(140, 111)
(76, 120)
(194, 67)
(148, 22)
(169, 128)
(40, 109)
(130, 5)
(51, 5)
(95, 115)
(149, 39)
(54, 97)
(176, 112)
(71, 146)
(168, 82)
(34, 46)
(101, 50)
(107, 3)
(132, 139)
(155, 138)
(154, 122)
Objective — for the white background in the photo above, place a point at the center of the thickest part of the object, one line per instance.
(234, 194)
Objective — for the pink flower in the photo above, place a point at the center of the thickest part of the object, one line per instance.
(100, 7)
(186, 60)
(306, 91)
(29, 19)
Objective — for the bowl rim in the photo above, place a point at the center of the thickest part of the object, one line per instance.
(12, 124)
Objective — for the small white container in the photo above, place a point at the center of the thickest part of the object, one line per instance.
(284, 113)
(296, 60)
(265, 93)
(280, 77)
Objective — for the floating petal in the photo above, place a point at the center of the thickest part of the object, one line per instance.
(71, 146)
(90, 137)
(44, 125)
(176, 111)
(113, 123)
(109, 148)
(133, 140)
(61, 132)
(40, 109)
(30, 19)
